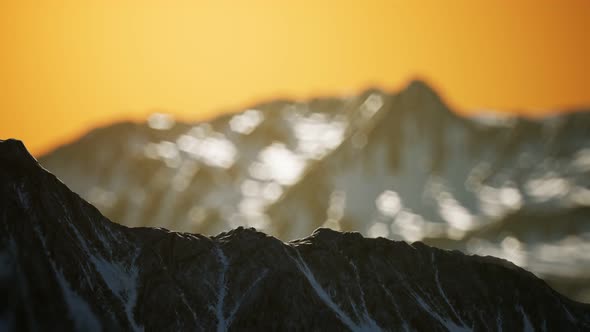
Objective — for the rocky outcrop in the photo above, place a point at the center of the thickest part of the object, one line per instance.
(63, 266)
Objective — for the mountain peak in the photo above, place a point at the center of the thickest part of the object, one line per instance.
(420, 93)
(420, 85)
(14, 153)
(244, 233)
(329, 235)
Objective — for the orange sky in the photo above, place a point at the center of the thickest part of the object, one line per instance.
(67, 66)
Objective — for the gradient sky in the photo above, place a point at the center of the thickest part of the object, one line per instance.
(67, 66)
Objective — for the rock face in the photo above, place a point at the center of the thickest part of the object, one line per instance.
(63, 266)
(401, 166)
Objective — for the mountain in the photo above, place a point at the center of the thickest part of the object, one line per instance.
(400, 165)
(64, 266)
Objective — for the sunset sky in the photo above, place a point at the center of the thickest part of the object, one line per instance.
(67, 66)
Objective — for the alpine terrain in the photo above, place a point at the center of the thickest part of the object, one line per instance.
(63, 266)
(396, 165)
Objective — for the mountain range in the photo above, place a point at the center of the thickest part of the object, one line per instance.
(397, 165)
(64, 266)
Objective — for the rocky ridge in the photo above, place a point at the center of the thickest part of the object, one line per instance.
(64, 266)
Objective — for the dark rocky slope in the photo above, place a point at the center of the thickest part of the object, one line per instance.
(63, 266)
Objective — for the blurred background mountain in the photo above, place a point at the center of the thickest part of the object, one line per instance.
(397, 165)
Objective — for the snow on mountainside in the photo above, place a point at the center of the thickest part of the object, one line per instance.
(63, 266)
(400, 165)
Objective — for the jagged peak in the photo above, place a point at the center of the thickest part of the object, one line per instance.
(241, 232)
(330, 234)
(328, 237)
(14, 152)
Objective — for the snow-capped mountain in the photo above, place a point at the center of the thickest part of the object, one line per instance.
(63, 266)
(400, 165)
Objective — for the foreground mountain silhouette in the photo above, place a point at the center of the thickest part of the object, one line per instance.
(63, 266)
(397, 165)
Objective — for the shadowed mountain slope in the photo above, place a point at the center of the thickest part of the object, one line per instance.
(63, 266)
